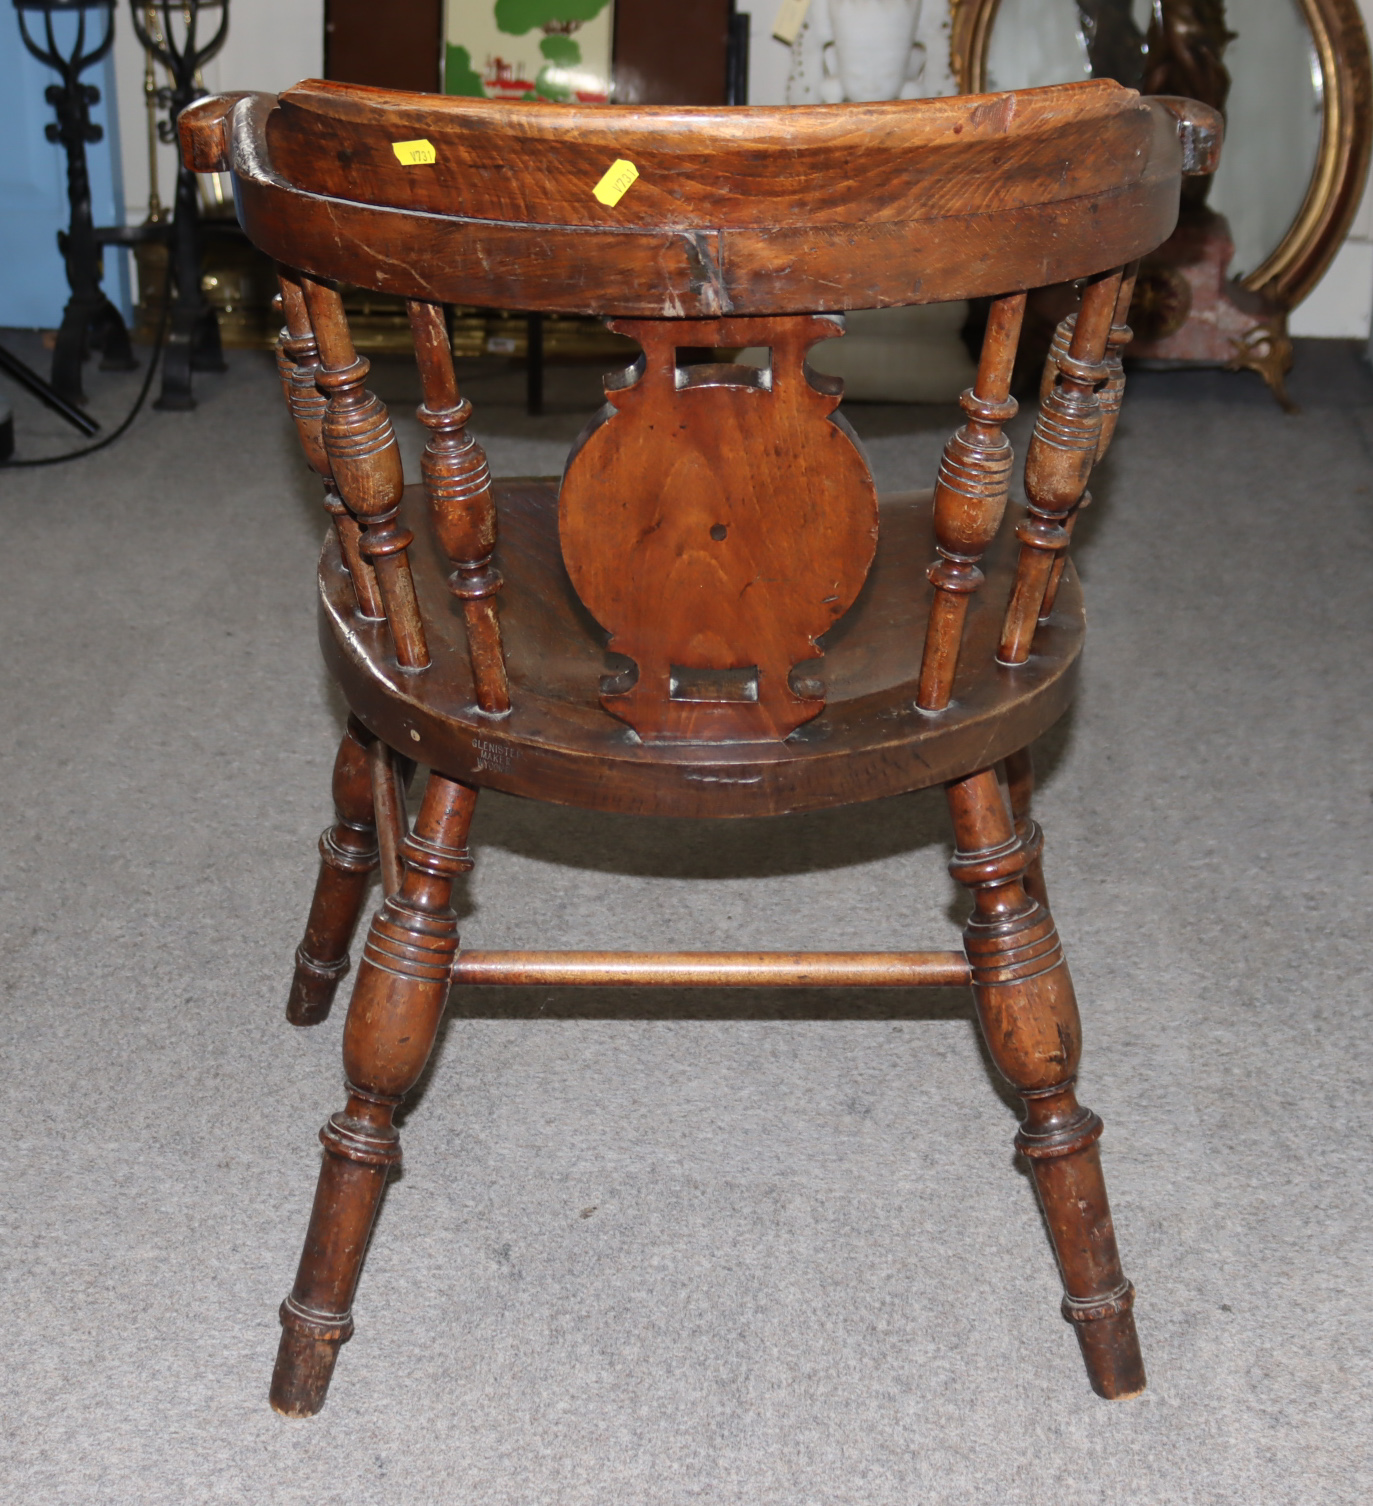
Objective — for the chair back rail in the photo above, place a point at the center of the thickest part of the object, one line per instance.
(727, 227)
(755, 211)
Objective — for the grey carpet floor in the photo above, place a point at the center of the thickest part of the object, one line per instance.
(715, 1247)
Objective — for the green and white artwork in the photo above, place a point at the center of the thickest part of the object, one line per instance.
(530, 49)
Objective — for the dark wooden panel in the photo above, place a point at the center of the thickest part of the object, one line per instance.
(395, 45)
(667, 53)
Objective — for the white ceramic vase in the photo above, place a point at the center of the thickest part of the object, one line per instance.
(871, 52)
(863, 50)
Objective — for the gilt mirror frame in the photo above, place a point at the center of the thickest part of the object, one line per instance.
(1299, 260)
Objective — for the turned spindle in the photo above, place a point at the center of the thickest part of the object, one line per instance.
(1059, 461)
(458, 483)
(1112, 393)
(1028, 1014)
(1110, 396)
(298, 365)
(365, 460)
(970, 499)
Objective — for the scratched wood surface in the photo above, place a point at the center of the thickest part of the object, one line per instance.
(758, 211)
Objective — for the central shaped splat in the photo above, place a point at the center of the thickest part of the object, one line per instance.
(716, 520)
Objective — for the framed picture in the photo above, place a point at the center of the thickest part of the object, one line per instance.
(529, 49)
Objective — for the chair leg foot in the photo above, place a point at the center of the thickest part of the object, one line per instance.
(304, 1368)
(1110, 1347)
(313, 987)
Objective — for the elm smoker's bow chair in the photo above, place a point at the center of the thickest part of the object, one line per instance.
(770, 640)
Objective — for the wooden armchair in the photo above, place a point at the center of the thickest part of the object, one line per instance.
(713, 614)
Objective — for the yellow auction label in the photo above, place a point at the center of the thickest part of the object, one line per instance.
(619, 178)
(791, 16)
(414, 153)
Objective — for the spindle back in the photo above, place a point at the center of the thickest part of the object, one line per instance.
(715, 519)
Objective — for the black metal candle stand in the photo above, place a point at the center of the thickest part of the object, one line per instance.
(193, 342)
(89, 321)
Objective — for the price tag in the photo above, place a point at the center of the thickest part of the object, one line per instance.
(791, 15)
(414, 153)
(619, 178)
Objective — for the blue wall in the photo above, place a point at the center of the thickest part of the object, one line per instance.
(33, 177)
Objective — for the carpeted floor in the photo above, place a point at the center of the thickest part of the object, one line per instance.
(731, 1248)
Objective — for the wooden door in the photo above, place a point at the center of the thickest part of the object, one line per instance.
(397, 45)
(667, 53)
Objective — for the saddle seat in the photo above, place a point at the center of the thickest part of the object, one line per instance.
(557, 743)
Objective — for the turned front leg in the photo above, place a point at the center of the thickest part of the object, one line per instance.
(348, 854)
(398, 999)
(1029, 1019)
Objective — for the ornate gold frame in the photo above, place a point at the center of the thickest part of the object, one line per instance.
(1300, 259)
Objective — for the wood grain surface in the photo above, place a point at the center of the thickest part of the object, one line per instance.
(718, 517)
(751, 211)
(558, 744)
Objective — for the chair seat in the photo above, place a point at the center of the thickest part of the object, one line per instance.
(558, 744)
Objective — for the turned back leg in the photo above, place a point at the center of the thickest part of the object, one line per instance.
(1029, 1019)
(348, 854)
(1020, 787)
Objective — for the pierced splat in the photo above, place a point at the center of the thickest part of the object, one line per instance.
(716, 519)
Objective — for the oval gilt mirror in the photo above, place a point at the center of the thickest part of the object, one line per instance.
(1298, 107)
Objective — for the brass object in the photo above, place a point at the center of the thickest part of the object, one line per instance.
(1267, 349)
(156, 213)
(1162, 301)
(1300, 259)
(240, 283)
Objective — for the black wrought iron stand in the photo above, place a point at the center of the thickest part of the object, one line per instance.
(193, 329)
(26, 376)
(89, 321)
